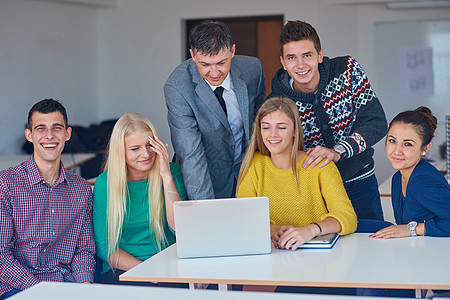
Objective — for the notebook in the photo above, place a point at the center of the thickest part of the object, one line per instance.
(222, 227)
(326, 241)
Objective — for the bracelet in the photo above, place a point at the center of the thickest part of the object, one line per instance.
(320, 228)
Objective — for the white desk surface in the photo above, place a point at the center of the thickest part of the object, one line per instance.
(71, 291)
(69, 160)
(355, 261)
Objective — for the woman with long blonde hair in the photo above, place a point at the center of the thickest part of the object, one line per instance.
(304, 203)
(133, 197)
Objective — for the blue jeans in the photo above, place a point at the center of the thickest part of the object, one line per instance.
(365, 197)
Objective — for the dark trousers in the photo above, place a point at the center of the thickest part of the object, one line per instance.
(365, 198)
(316, 290)
(401, 293)
(111, 277)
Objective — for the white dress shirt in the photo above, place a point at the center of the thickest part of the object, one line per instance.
(233, 113)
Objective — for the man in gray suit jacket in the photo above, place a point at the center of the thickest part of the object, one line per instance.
(212, 99)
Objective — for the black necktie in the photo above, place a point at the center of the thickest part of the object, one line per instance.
(218, 92)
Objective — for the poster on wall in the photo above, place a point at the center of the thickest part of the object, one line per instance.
(416, 71)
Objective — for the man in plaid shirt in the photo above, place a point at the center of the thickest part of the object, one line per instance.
(45, 210)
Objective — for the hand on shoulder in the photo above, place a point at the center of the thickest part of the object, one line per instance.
(320, 155)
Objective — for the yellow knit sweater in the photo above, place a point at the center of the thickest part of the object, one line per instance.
(321, 193)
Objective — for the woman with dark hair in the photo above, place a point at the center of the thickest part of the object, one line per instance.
(420, 193)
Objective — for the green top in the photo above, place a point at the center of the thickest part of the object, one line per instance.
(136, 239)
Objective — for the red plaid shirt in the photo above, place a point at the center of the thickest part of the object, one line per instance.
(45, 231)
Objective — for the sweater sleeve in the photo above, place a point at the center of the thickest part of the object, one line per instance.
(435, 197)
(370, 124)
(100, 217)
(336, 199)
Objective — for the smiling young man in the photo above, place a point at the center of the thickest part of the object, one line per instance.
(212, 99)
(341, 116)
(45, 210)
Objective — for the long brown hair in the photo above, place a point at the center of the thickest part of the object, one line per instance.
(272, 104)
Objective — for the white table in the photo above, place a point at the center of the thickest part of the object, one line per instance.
(71, 291)
(69, 160)
(355, 261)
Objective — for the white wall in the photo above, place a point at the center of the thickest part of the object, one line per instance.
(46, 50)
(370, 15)
(137, 45)
(141, 42)
(432, 34)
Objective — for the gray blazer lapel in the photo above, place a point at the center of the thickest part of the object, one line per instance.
(206, 95)
(240, 89)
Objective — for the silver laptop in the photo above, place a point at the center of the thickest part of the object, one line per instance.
(222, 227)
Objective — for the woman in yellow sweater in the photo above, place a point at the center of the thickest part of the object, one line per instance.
(304, 203)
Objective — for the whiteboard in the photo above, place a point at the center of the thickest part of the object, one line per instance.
(392, 39)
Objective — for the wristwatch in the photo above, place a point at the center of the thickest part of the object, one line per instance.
(412, 228)
(339, 149)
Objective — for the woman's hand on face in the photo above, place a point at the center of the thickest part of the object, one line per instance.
(394, 231)
(163, 154)
(295, 236)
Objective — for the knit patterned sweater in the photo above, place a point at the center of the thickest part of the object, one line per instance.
(321, 193)
(344, 110)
